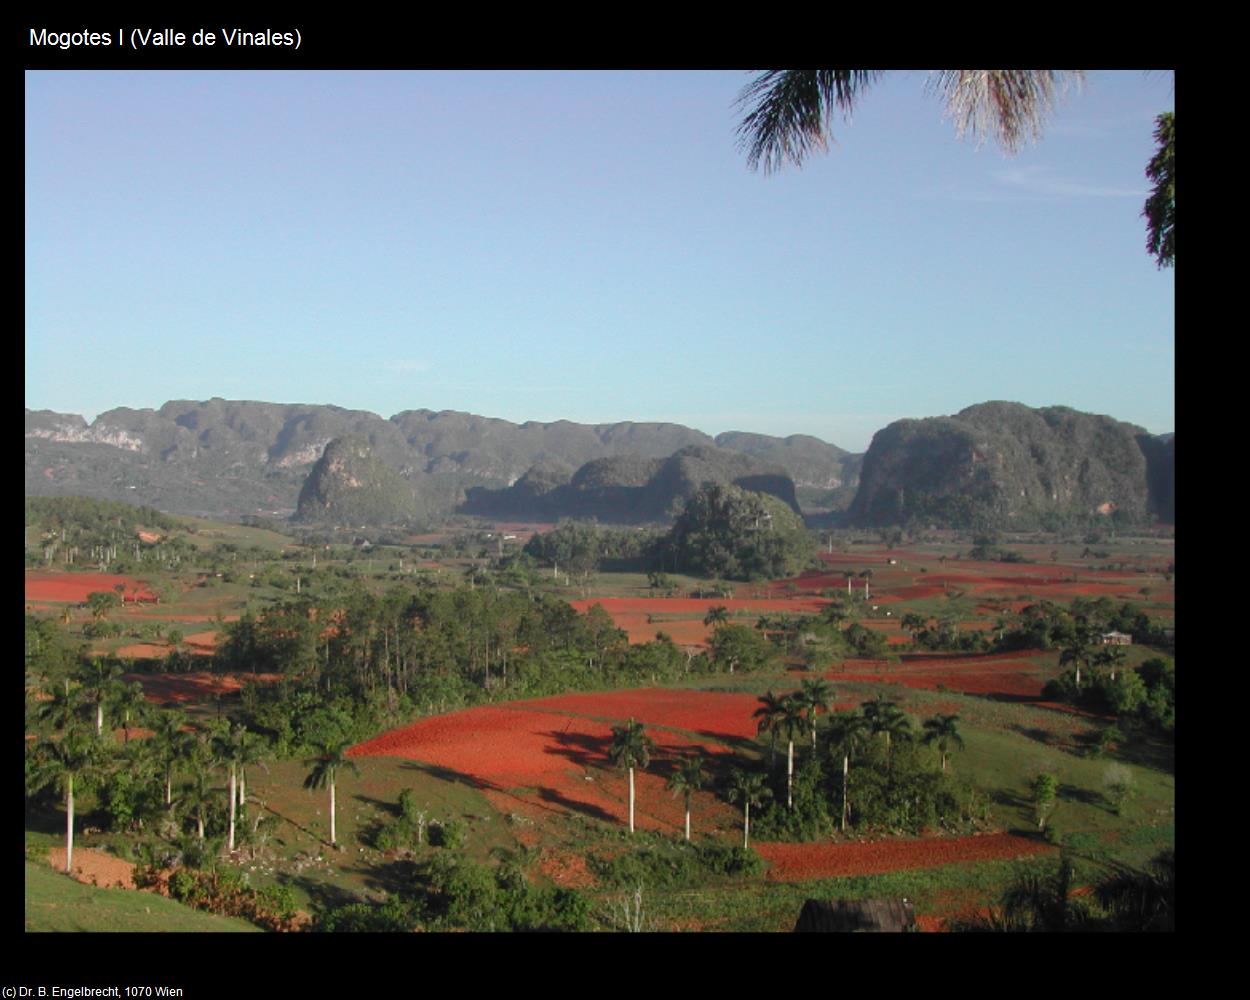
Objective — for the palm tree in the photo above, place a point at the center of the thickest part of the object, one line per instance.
(332, 756)
(886, 717)
(686, 780)
(1112, 657)
(1079, 650)
(941, 730)
(230, 746)
(630, 748)
(253, 751)
(99, 682)
(751, 789)
(815, 697)
(169, 743)
(848, 732)
(60, 711)
(789, 111)
(1041, 900)
(75, 756)
(129, 700)
(791, 722)
(772, 709)
(913, 623)
(1140, 900)
(716, 617)
(201, 760)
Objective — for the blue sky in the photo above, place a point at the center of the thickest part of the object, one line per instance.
(583, 245)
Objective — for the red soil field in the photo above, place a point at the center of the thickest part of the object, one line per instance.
(700, 606)
(630, 613)
(706, 712)
(531, 757)
(76, 586)
(994, 673)
(143, 651)
(801, 862)
(197, 687)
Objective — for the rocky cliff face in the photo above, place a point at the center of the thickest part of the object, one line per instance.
(227, 458)
(1007, 465)
(348, 486)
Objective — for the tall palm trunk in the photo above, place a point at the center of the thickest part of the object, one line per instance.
(746, 825)
(69, 826)
(687, 817)
(846, 770)
(232, 805)
(790, 777)
(631, 800)
(333, 840)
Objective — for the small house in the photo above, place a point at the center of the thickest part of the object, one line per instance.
(1116, 639)
(857, 916)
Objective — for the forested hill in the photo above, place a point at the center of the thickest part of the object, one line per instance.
(629, 488)
(1007, 465)
(228, 458)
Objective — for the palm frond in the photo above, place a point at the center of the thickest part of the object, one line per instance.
(790, 111)
(1009, 105)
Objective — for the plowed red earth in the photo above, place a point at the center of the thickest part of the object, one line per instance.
(997, 673)
(199, 644)
(722, 715)
(700, 606)
(802, 862)
(76, 586)
(195, 687)
(631, 613)
(538, 756)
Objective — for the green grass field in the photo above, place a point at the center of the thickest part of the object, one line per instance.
(55, 902)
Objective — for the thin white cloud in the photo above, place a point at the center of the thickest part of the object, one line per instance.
(1037, 181)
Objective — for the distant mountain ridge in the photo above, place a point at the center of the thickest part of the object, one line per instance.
(229, 458)
(996, 463)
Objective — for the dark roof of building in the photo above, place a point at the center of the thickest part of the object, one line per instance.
(857, 915)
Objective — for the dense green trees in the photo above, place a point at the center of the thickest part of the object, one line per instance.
(730, 533)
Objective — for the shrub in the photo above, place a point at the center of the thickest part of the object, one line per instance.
(1117, 783)
(394, 915)
(452, 834)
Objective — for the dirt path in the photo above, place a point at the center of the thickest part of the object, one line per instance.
(95, 867)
